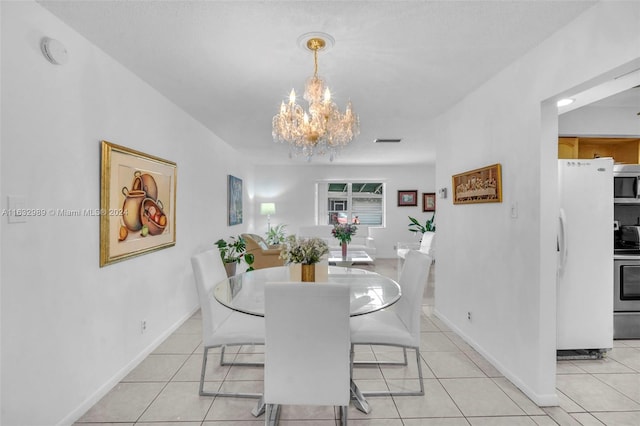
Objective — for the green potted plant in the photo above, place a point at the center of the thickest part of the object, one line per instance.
(276, 235)
(416, 226)
(232, 252)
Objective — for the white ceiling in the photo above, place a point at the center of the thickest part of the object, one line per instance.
(230, 63)
(628, 99)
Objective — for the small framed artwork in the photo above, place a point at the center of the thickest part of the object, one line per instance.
(429, 202)
(407, 198)
(234, 200)
(137, 203)
(483, 185)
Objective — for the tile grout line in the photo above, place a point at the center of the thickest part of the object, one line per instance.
(167, 383)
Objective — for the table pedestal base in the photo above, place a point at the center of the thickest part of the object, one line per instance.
(359, 401)
(260, 408)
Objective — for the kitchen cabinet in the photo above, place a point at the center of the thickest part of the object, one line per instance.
(622, 150)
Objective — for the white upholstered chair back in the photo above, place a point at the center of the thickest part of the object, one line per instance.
(428, 244)
(307, 344)
(413, 279)
(221, 326)
(208, 270)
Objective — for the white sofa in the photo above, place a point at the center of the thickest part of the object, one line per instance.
(360, 241)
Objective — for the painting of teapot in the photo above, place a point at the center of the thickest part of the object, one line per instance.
(137, 203)
(142, 211)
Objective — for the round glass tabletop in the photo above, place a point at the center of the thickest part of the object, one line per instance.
(369, 291)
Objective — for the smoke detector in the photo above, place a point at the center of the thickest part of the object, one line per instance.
(54, 51)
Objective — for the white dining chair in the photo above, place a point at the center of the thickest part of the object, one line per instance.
(306, 347)
(221, 326)
(398, 325)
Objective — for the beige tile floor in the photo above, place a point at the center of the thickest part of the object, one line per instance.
(461, 388)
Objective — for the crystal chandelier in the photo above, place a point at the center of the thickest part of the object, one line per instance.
(324, 128)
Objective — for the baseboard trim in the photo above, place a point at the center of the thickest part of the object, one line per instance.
(104, 389)
(542, 400)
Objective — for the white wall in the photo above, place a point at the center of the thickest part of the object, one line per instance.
(502, 269)
(71, 330)
(596, 121)
(276, 184)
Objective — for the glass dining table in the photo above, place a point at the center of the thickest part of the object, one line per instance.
(369, 292)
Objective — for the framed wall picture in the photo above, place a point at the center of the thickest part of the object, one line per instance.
(234, 200)
(407, 198)
(483, 185)
(429, 202)
(137, 203)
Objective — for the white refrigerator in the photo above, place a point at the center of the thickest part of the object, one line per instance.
(585, 255)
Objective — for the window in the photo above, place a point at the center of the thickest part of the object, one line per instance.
(351, 202)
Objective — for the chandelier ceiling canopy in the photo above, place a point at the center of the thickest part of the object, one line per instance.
(323, 128)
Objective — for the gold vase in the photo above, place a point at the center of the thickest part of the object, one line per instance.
(308, 273)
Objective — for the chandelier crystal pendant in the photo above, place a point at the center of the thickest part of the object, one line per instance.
(324, 128)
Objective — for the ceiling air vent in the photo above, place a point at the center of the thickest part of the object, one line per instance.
(382, 140)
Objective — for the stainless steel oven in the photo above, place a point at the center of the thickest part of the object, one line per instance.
(626, 297)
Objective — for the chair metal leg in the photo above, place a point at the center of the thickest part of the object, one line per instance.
(222, 349)
(203, 371)
(405, 362)
(246, 364)
(419, 372)
(351, 357)
(401, 393)
(229, 394)
(343, 415)
(359, 401)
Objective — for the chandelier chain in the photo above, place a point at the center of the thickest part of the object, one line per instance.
(315, 63)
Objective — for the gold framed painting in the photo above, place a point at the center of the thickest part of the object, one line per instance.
(483, 185)
(137, 202)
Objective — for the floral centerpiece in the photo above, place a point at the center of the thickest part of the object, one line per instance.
(343, 232)
(305, 251)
